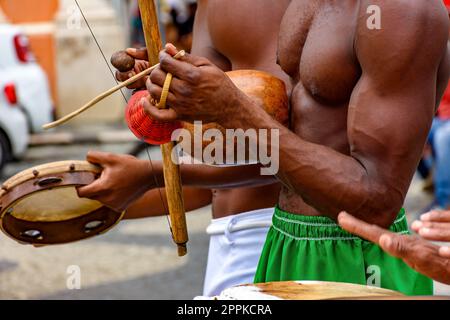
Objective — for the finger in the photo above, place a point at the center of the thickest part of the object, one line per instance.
(416, 225)
(138, 53)
(156, 92)
(90, 191)
(396, 245)
(436, 215)
(158, 77)
(441, 234)
(97, 157)
(444, 252)
(191, 59)
(141, 65)
(139, 84)
(360, 228)
(186, 68)
(434, 225)
(124, 76)
(171, 49)
(165, 115)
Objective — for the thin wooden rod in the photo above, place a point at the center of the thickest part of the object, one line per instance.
(104, 95)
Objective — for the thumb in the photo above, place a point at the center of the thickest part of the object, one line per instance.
(97, 157)
(194, 60)
(171, 49)
(164, 115)
(140, 54)
(91, 190)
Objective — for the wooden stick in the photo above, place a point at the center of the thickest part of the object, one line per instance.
(172, 177)
(104, 95)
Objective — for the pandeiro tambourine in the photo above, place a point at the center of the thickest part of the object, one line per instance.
(40, 206)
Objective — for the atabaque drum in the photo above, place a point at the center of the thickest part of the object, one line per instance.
(40, 206)
(304, 290)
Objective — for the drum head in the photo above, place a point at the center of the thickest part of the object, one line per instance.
(304, 290)
(52, 205)
(40, 206)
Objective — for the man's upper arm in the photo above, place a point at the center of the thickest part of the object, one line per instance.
(202, 44)
(392, 105)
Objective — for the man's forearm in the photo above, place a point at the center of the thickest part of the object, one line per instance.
(204, 176)
(154, 203)
(209, 177)
(326, 179)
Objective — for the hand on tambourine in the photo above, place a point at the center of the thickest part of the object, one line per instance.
(123, 180)
(199, 90)
(129, 63)
(423, 256)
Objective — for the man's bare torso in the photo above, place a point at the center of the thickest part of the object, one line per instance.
(316, 49)
(243, 35)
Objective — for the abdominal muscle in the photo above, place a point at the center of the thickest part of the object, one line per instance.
(226, 202)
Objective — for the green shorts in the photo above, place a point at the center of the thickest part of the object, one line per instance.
(316, 248)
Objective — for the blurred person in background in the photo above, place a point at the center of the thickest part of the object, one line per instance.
(182, 13)
(176, 18)
(439, 141)
(137, 33)
(177, 21)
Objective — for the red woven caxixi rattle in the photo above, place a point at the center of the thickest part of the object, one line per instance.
(144, 127)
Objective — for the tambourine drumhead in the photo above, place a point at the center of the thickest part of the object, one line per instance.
(303, 290)
(53, 205)
(41, 206)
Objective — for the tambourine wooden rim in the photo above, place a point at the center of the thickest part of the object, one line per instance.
(57, 175)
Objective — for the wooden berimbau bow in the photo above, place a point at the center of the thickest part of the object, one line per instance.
(172, 177)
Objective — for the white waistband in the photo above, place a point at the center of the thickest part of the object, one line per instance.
(243, 221)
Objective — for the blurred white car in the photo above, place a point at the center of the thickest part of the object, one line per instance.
(25, 102)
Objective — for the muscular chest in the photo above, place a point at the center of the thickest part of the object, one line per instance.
(246, 31)
(316, 49)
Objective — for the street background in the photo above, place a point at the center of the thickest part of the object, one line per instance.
(137, 259)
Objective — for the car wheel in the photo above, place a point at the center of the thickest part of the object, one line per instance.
(4, 151)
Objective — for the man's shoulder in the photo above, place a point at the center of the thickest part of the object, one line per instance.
(397, 35)
(407, 21)
(418, 8)
(408, 12)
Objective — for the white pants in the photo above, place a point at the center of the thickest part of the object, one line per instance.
(235, 246)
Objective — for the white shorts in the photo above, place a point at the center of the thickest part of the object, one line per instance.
(235, 246)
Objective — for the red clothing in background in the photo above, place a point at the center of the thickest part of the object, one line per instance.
(444, 107)
(447, 3)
